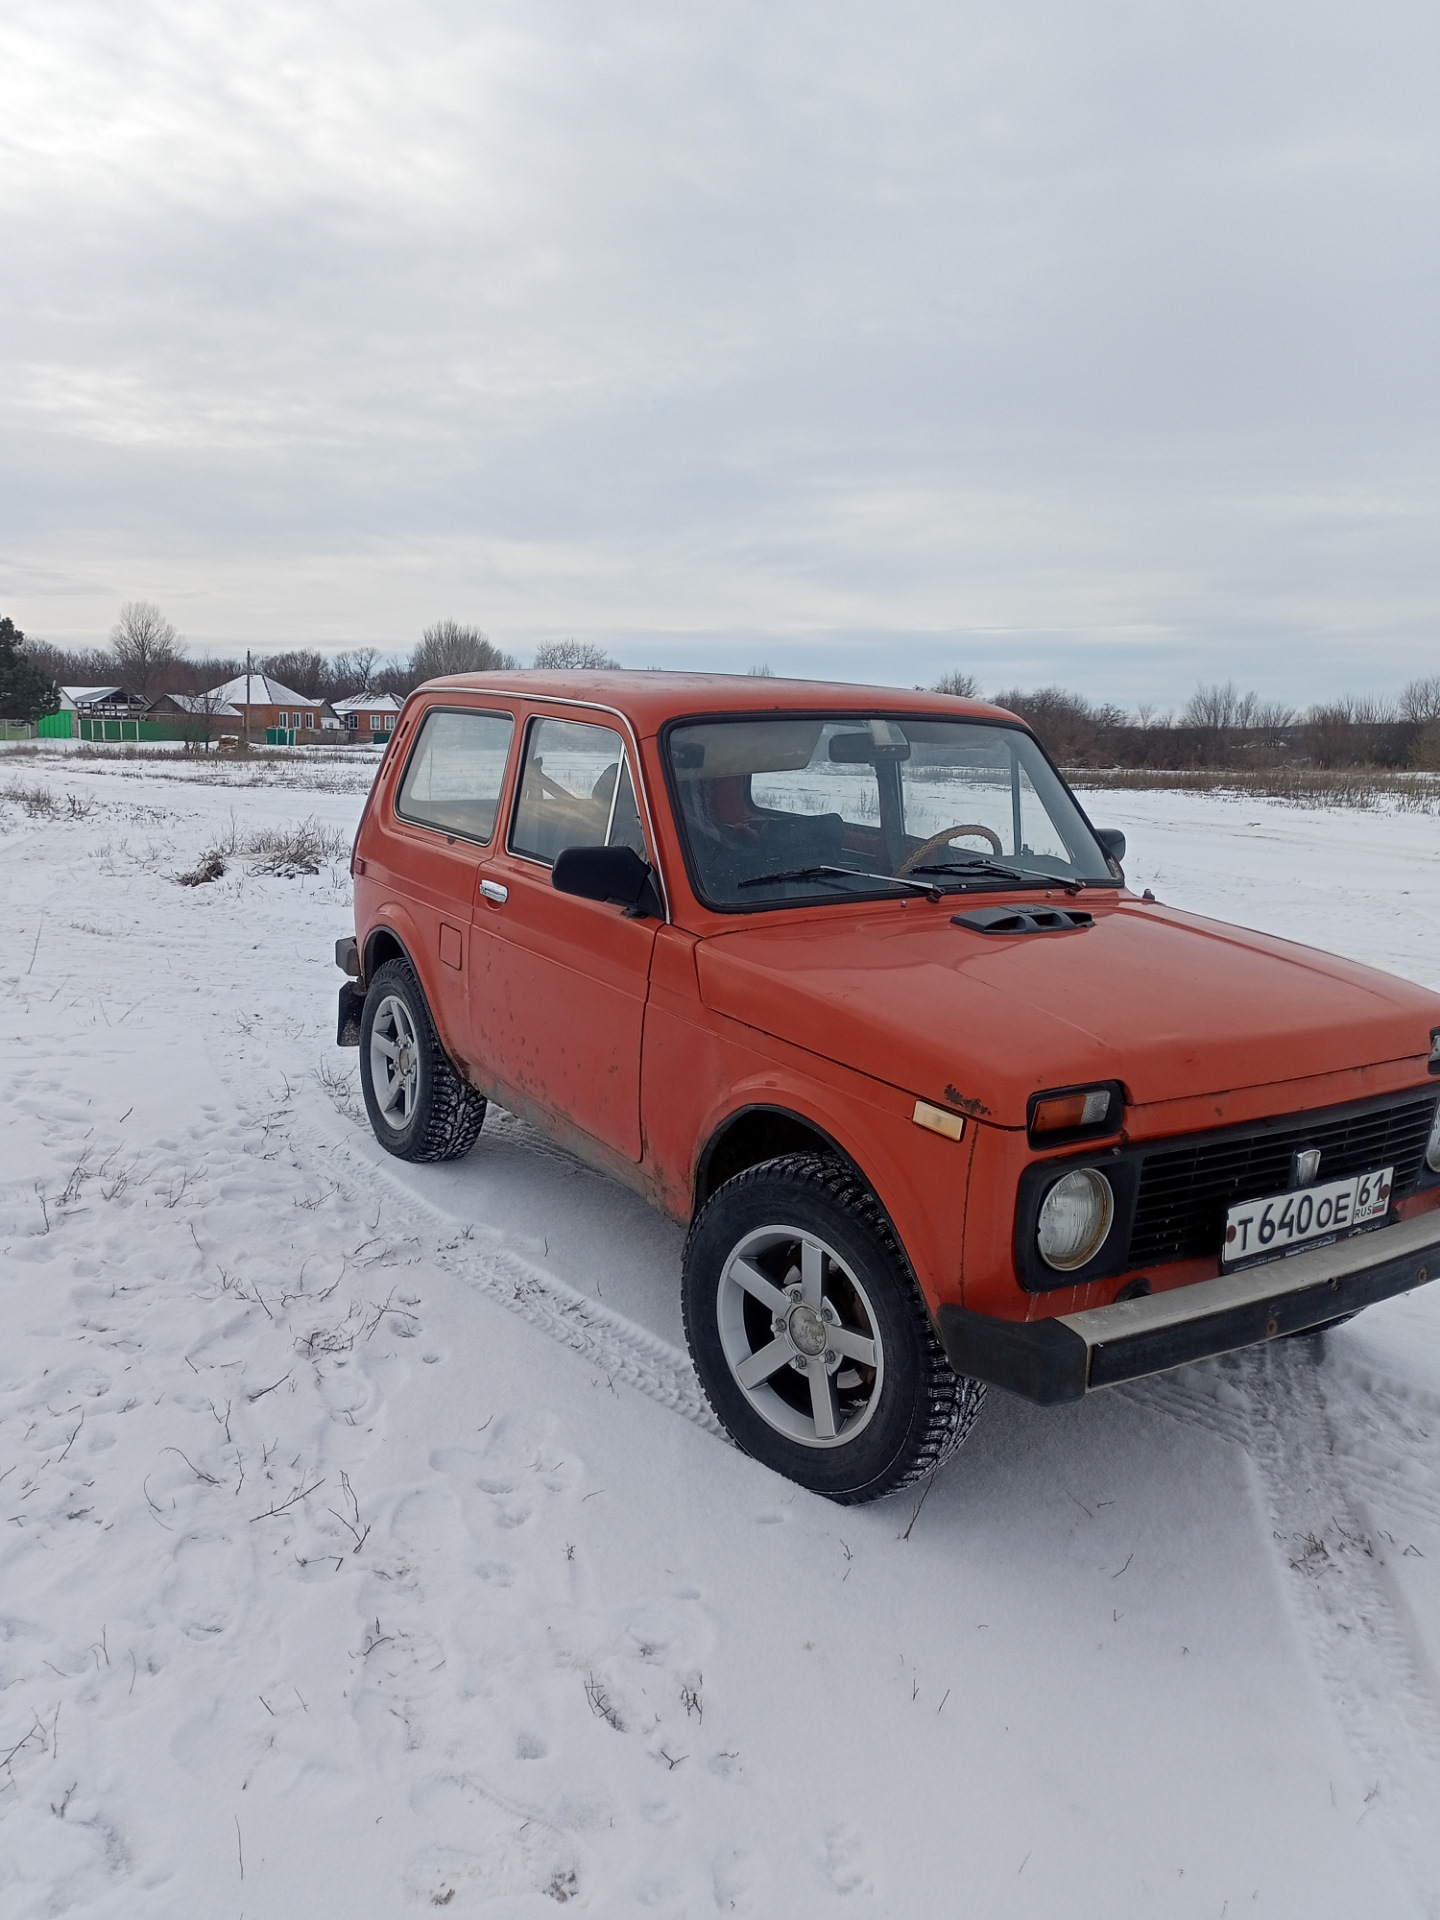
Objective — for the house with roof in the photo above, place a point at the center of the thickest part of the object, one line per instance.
(370, 715)
(111, 714)
(102, 703)
(94, 713)
(210, 715)
(264, 706)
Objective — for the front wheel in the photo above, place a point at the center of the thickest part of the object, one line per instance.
(419, 1107)
(810, 1337)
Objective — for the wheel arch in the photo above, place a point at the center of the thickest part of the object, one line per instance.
(392, 937)
(757, 1132)
(919, 1182)
(383, 943)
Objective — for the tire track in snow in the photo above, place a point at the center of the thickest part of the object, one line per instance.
(624, 1351)
(1380, 1422)
(1316, 1489)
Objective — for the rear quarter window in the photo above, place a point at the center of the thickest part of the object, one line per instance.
(456, 771)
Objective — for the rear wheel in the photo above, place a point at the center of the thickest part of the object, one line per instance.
(810, 1337)
(419, 1107)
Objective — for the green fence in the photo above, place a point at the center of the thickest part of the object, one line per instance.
(68, 725)
(143, 732)
(16, 730)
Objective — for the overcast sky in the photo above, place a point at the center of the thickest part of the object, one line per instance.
(1091, 343)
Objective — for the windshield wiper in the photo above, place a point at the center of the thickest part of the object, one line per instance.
(995, 869)
(931, 891)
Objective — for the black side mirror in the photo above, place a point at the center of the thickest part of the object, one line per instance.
(616, 875)
(1112, 842)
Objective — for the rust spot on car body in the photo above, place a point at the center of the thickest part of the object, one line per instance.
(957, 1099)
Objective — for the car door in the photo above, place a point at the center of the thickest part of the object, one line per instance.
(445, 813)
(558, 984)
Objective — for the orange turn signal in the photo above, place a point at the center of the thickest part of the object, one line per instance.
(937, 1120)
(1069, 1112)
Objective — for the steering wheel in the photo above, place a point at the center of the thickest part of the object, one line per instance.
(939, 840)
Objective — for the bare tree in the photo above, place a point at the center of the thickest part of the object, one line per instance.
(1373, 710)
(1213, 708)
(207, 706)
(964, 686)
(451, 647)
(301, 670)
(1420, 702)
(72, 666)
(762, 672)
(1330, 734)
(572, 653)
(1374, 722)
(1074, 731)
(1272, 719)
(144, 647)
(354, 672)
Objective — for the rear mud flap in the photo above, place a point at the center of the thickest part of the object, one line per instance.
(347, 1024)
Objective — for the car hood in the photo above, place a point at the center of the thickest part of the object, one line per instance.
(1168, 1003)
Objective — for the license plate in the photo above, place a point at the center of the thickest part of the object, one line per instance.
(1258, 1228)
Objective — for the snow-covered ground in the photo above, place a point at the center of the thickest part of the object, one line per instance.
(365, 1548)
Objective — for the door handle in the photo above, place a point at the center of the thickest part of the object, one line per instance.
(494, 892)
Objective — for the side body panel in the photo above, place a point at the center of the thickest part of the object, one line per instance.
(557, 1001)
(700, 1069)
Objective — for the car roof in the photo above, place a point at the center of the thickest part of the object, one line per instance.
(648, 699)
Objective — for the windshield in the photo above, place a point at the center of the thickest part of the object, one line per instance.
(813, 807)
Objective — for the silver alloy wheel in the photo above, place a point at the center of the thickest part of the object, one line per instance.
(394, 1062)
(800, 1336)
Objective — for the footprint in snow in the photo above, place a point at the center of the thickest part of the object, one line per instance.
(847, 1865)
(492, 1849)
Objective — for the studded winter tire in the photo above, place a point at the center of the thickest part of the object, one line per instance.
(419, 1107)
(810, 1336)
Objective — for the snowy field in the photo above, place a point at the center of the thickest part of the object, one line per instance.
(365, 1549)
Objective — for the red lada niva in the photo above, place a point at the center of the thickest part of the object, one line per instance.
(845, 979)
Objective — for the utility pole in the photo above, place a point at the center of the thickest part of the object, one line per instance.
(247, 696)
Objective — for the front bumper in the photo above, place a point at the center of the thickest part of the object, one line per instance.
(1064, 1358)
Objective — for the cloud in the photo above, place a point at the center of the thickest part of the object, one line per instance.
(1098, 340)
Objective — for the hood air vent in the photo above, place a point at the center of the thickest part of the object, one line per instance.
(1023, 920)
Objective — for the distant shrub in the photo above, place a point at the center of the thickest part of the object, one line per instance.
(210, 866)
(291, 851)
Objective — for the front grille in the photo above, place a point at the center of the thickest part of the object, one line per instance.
(1185, 1191)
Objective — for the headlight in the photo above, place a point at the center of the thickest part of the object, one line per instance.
(1076, 1215)
(1432, 1145)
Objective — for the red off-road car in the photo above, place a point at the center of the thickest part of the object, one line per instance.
(844, 978)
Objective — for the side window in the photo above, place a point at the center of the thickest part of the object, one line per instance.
(575, 791)
(456, 771)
